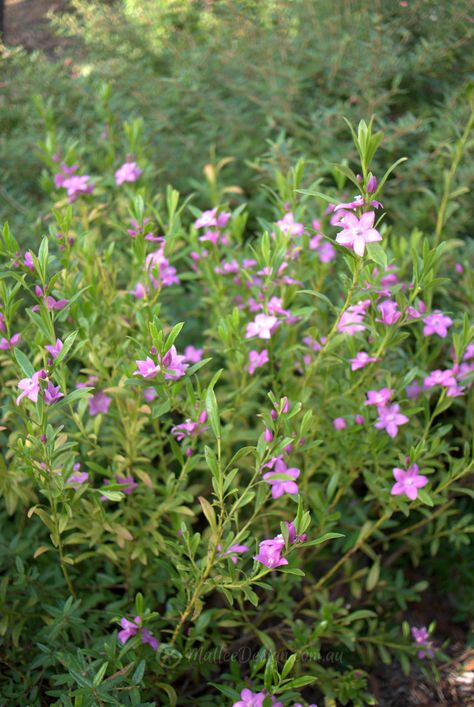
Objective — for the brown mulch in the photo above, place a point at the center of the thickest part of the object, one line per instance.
(27, 24)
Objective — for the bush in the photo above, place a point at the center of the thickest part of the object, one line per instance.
(228, 435)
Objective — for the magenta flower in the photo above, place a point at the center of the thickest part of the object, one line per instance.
(79, 477)
(408, 481)
(263, 326)
(193, 355)
(281, 486)
(49, 301)
(371, 185)
(128, 172)
(99, 403)
(161, 273)
(292, 536)
(269, 553)
(28, 261)
(257, 360)
(52, 393)
(389, 312)
(54, 350)
(189, 428)
(437, 323)
(390, 419)
(357, 233)
(2, 322)
(173, 364)
(379, 397)
(139, 291)
(250, 699)
(6, 344)
(339, 423)
(361, 360)
(150, 394)
(30, 387)
(148, 637)
(444, 378)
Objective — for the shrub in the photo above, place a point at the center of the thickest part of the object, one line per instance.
(226, 446)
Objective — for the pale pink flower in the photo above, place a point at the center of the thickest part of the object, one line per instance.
(233, 551)
(257, 360)
(193, 355)
(128, 172)
(339, 423)
(289, 226)
(30, 387)
(147, 368)
(408, 481)
(390, 419)
(56, 349)
(438, 377)
(263, 327)
(358, 232)
(351, 322)
(207, 219)
(378, 397)
(361, 360)
(281, 486)
(389, 312)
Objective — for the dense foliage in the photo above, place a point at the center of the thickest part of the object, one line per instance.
(236, 422)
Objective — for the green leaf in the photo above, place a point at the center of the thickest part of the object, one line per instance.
(323, 538)
(24, 363)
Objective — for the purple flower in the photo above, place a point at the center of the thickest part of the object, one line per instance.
(189, 428)
(139, 291)
(444, 378)
(292, 536)
(361, 360)
(371, 185)
(149, 394)
(173, 364)
(49, 301)
(281, 486)
(257, 360)
(28, 261)
(437, 323)
(77, 185)
(421, 637)
(131, 628)
(30, 387)
(389, 312)
(52, 394)
(79, 477)
(378, 397)
(357, 233)
(128, 172)
(269, 553)
(54, 350)
(408, 481)
(130, 481)
(339, 423)
(6, 344)
(263, 326)
(99, 403)
(390, 419)
(148, 637)
(161, 273)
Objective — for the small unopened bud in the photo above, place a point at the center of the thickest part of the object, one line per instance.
(203, 417)
(371, 185)
(268, 435)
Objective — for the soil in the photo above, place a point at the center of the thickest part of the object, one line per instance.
(26, 23)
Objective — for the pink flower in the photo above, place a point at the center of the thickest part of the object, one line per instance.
(390, 314)
(358, 232)
(292, 536)
(378, 397)
(371, 185)
(250, 699)
(359, 419)
(173, 364)
(2, 322)
(351, 322)
(257, 360)
(361, 360)
(390, 419)
(30, 387)
(326, 252)
(161, 273)
(206, 219)
(289, 226)
(49, 301)
(269, 553)
(444, 378)
(99, 403)
(52, 393)
(77, 185)
(131, 628)
(263, 326)
(421, 637)
(437, 323)
(128, 172)
(281, 486)
(408, 481)
(339, 423)
(79, 477)
(147, 368)
(54, 350)
(189, 428)
(233, 551)
(139, 291)
(149, 394)
(28, 261)
(193, 355)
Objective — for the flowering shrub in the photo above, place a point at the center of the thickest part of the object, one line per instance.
(224, 447)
